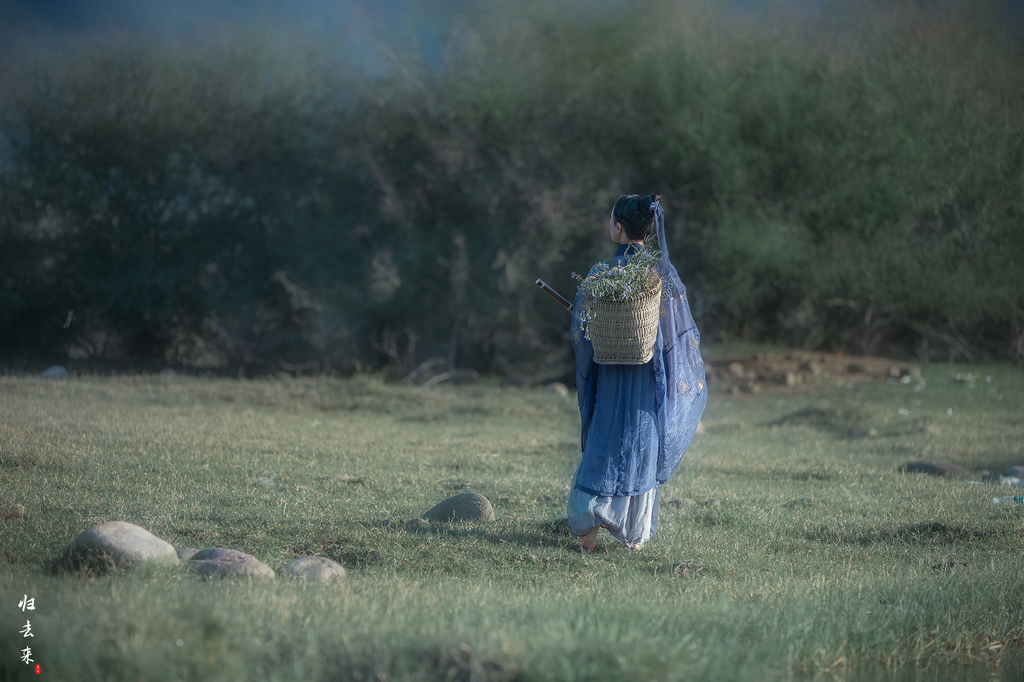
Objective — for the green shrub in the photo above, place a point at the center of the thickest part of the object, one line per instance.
(852, 183)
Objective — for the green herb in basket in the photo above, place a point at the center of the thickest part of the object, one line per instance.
(640, 275)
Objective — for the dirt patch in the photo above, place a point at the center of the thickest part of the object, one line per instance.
(738, 374)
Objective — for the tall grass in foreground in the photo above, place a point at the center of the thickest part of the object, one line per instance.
(847, 181)
(819, 558)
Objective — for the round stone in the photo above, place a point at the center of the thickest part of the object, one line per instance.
(229, 563)
(55, 372)
(118, 544)
(464, 507)
(1015, 471)
(558, 388)
(186, 553)
(313, 568)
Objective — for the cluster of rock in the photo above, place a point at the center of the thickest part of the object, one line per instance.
(121, 545)
(118, 544)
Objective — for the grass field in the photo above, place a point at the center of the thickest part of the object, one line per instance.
(819, 556)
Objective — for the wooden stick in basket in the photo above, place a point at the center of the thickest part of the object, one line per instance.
(554, 294)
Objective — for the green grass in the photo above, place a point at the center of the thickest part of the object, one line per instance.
(819, 558)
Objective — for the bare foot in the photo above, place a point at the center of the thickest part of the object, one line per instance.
(589, 541)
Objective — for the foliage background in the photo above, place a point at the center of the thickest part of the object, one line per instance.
(844, 179)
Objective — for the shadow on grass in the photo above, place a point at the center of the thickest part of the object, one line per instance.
(931, 532)
(449, 662)
(828, 419)
(849, 423)
(504, 531)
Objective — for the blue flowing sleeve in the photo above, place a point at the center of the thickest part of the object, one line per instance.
(680, 389)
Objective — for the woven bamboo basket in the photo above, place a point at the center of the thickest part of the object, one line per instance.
(624, 332)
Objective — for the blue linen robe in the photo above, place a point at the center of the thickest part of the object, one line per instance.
(638, 420)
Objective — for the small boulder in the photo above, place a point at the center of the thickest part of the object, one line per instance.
(186, 553)
(558, 388)
(119, 544)
(313, 569)
(464, 507)
(1015, 472)
(229, 563)
(55, 372)
(934, 468)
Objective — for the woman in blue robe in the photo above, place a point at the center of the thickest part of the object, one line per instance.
(636, 420)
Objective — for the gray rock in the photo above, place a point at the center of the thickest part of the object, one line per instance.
(229, 563)
(1015, 471)
(558, 388)
(314, 569)
(681, 503)
(119, 544)
(934, 468)
(688, 568)
(186, 553)
(55, 372)
(464, 507)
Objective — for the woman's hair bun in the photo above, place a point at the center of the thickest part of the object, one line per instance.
(636, 214)
(645, 205)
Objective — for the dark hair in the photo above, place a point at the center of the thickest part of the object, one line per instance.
(635, 214)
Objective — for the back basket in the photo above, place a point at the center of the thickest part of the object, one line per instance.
(624, 332)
